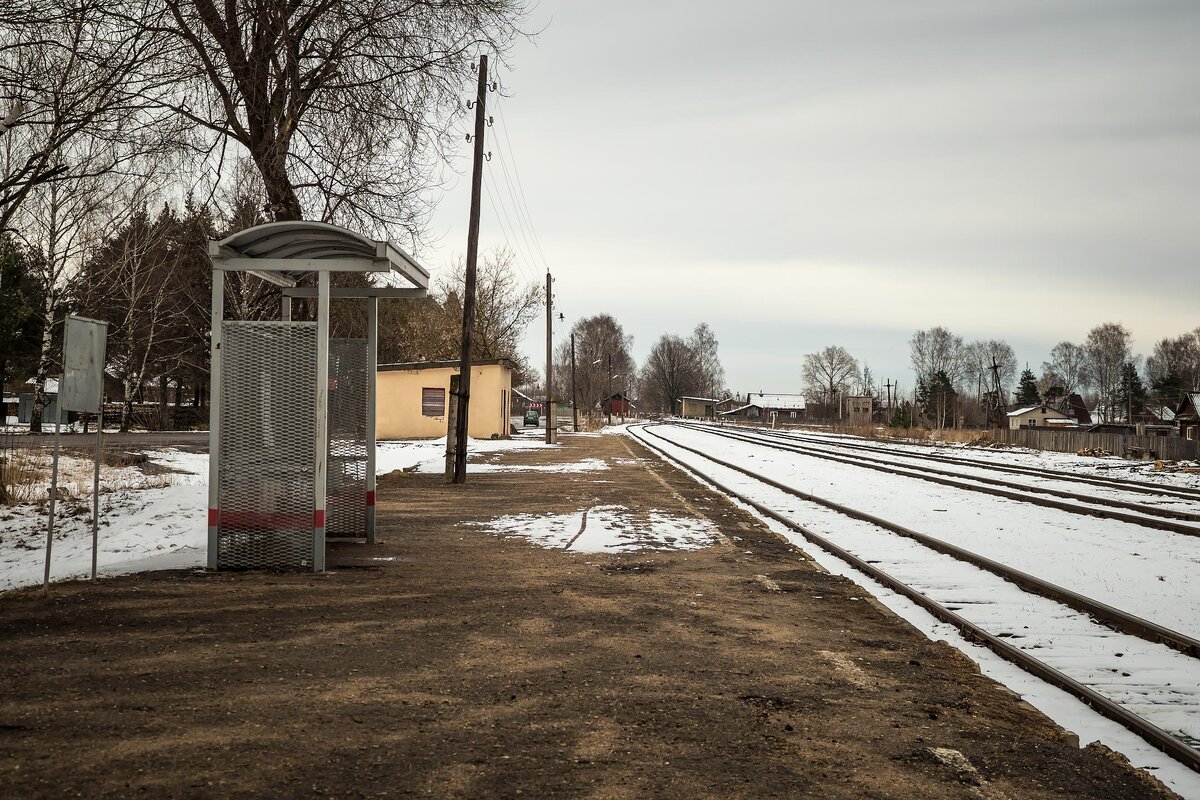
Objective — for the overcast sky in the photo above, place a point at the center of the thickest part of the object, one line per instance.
(799, 174)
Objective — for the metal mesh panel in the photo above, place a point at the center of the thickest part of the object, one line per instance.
(347, 489)
(265, 474)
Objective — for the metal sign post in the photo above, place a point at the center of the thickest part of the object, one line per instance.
(81, 388)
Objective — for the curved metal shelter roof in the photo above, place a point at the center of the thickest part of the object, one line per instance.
(284, 252)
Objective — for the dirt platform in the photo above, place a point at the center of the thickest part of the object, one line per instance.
(450, 662)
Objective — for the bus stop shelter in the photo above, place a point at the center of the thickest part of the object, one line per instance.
(292, 411)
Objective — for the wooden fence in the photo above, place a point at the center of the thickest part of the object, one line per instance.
(1168, 448)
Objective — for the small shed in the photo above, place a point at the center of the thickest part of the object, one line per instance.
(1038, 417)
(414, 396)
(860, 409)
(617, 405)
(697, 407)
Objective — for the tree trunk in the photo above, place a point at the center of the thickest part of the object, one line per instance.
(282, 201)
(164, 410)
(43, 368)
(127, 404)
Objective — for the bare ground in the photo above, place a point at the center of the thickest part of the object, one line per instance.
(447, 662)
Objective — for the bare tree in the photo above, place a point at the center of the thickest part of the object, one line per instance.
(1067, 368)
(829, 374)
(62, 221)
(343, 106)
(70, 104)
(599, 339)
(671, 372)
(937, 350)
(504, 307)
(129, 282)
(1107, 350)
(977, 364)
(712, 375)
(1174, 366)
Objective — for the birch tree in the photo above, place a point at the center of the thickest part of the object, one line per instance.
(1107, 351)
(1067, 368)
(937, 350)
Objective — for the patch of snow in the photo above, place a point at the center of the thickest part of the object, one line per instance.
(146, 522)
(606, 529)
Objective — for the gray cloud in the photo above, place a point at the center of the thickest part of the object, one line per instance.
(803, 173)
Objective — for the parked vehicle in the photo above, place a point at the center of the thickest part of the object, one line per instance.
(531, 418)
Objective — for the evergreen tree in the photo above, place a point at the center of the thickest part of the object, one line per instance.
(1131, 393)
(936, 397)
(902, 415)
(1027, 391)
(20, 300)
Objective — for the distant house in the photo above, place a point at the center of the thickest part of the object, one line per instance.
(697, 407)
(1039, 417)
(1186, 418)
(1074, 406)
(412, 399)
(785, 407)
(728, 404)
(619, 404)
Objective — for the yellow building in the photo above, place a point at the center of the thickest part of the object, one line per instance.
(412, 399)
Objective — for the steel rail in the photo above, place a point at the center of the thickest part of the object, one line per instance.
(1143, 487)
(757, 437)
(913, 472)
(1148, 731)
(1120, 620)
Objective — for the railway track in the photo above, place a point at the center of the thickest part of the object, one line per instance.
(990, 620)
(1167, 519)
(894, 448)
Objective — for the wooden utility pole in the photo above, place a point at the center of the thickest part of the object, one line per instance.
(889, 399)
(468, 329)
(574, 395)
(551, 422)
(610, 400)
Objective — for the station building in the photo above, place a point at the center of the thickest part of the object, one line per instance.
(414, 397)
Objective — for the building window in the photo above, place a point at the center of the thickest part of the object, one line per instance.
(1033, 423)
(433, 402)
(793, 414)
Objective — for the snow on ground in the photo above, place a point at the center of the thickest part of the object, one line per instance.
(606, 529)
(429, 456)
(1108, 466)
(156, 518)
(1058, 705)
(147, 521)
(1145, 571)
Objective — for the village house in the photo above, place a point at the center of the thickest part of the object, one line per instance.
(1186, 418)
(412, 399)
(1039, 417)
(784, 407)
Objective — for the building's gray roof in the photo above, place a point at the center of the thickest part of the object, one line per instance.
(786, 402)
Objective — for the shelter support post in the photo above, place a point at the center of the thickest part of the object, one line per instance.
(372, 367)
(285, 308)
(321, 443)
(214, 417)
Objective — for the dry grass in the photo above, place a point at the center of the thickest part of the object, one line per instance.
(25, 474)
(21, 472)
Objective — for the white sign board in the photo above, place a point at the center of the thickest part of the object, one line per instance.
(82, 386)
